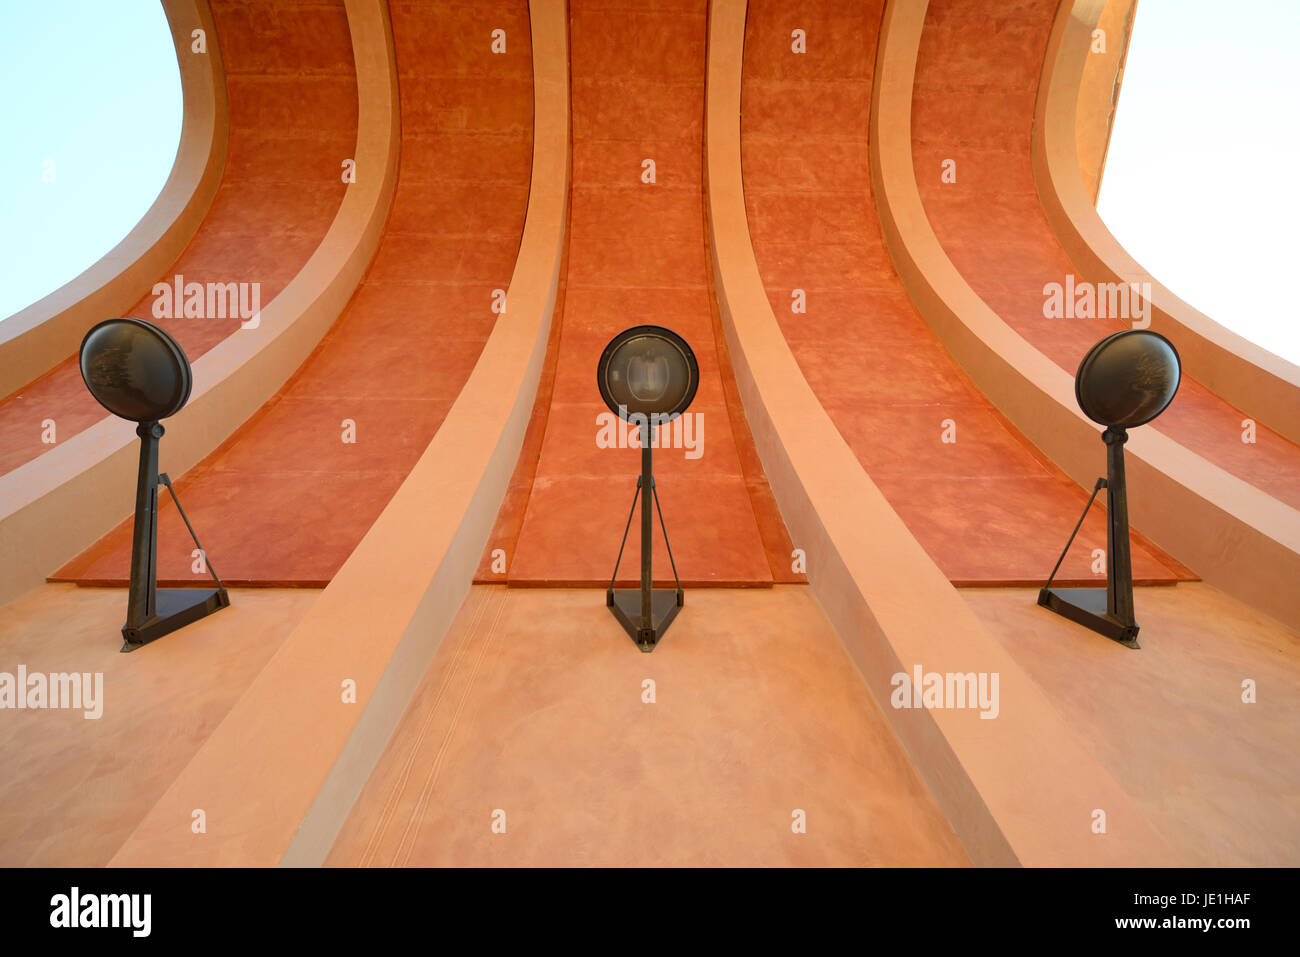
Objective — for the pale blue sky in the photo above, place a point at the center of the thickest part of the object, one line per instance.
(93, 86)
(1200, 184)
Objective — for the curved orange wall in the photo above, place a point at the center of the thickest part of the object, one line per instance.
(293, 120)
(1238, 536)
(391, 366)
(1262, 385)
(40, 336)
(992, 225)
(637, 255)
(987, 506)
(55, 504)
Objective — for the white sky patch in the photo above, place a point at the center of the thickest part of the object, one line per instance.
(95, 88)
(1200, 183)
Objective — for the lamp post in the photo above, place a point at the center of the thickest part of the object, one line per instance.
(648, 376)
(138, 372)
(1125, 380)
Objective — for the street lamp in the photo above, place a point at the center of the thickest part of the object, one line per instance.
(1125, 380)
(647, 375)
(138, 372)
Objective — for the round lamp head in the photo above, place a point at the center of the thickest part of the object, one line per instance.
(135, 370)
(648, 370)
(1128, 378)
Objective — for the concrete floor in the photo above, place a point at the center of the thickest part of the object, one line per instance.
(533, 706)
(1220, 779)
(74, 788)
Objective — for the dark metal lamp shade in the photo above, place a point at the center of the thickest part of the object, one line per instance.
(135, 370)
(648, 370)
(1128, 378)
